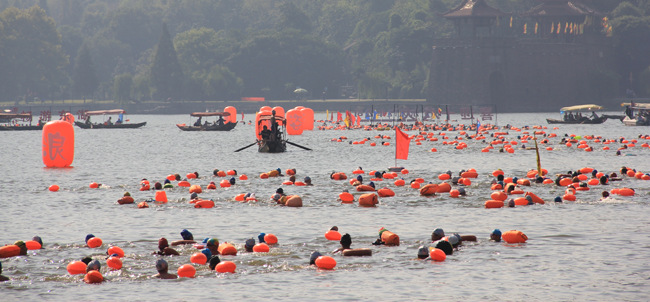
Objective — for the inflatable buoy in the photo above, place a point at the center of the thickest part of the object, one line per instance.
(204, 204)
(227, 249)
(521, 201)
(299, 184)
(9, 251)
(523, 182)
(491, 204)
(264, 175)
(496, 187)
(243, 177)
(415, 185)
(454, 193)
(389, 238)
(186, 271)
(143, 205)
(58, 144)
(444, 176)
(226, 267)
(535, 198)
(161, 196)
(365, 188)
(499, 195)
(190, 176)
(196, 189)
(496, 173)
(346, 197)
(240, 197)
(437, 254)
(225, 183)
(114, 263)
(565, 181)
(294, 201)
(184, 183)
(93, 185)
(357, 252)
(76, 268)
(126, 200)
(261, 248)
(399, 182)
(514, 236)
(287, 183)
(385, 192)
(443, 188)
(469, 174)
(93, 277)
(625, 192)
(368, 200)
(33, 245)
(94, 242)
(270, 239)
(333, 235)
(429, 190)
(569, 197)
(325, 262)
(199, 258)
(115, 250)
(53, 188)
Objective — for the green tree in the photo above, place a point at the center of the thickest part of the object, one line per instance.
(31, 55)
(84, 78)
(166, 73)
(122, 86)
(631, 33)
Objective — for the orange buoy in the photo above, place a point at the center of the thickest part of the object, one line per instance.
(490, 204)
(115, 250)
(520, 201)
(76, 268)
(444, 176)
(294, 201)
(404, 171)
(94, 242)
(221, 173)
(415, 185)
(385, 192)
(33, 245)
(496, 173)
(565, 181)
(399, 182)
(443, 188)
(535, 198)
(240, 197)
(469, 174)
(325, 262)
(226, 267)
(161, 196)
(270, 239)
(211, 186)
(569, 197)
(93, 277)
(496, 187)
(261, 248)
(514, 236)
(9, 251)
(184, 183)
(93, 185)
(625, 192)
(190, 176)
(143, 205)
(299, 184)
(196, 189)
(114, 263)
(499, 195)
(171, 177)
(593, 182)
(368, 200)
(58, 144)
(287, 183)
(231, 172)
(204, 204)
(264, 175)
(227, 249)
(389, 238)
(365, 188)
(523, 182)
(224, 183)
(243, 177)
(429, 190)
(186, 271)
(346, 197)
(333, 235)
(199, 258)
(437, 254)
(53, 188)
(454, 193)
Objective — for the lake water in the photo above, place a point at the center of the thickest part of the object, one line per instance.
(584, 250)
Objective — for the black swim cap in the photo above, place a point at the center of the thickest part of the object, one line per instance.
(214, 260)
(445, 247)
(312, 258)
(346, 240)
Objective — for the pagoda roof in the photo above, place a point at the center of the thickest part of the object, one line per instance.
(473, 8)
(560, 8)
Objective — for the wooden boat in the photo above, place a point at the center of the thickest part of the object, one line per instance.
(636, 114)
(219, 125)
(107, 124)
(10, 124)
(276, 141)
(570, 118)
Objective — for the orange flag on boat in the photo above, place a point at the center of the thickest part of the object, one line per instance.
(402, 142)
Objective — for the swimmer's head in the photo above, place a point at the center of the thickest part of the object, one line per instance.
(162, 243)
(212, 242)
(334, 228)
(127, 194)
(437, 234)
(260, 237)
(346, 240)
(207, 253)
(38, 239)
(359, 178)
(277, 197)
(372, 184)
(214, 260)
(557, 199)
(453, 240)
(312, 258)
(93, 266)
(250, 243)
(605, 194)
(167, 181)
(511, 203)
(377, 174)
(194, 195)
(232, 181)
(215, 172)
(187, 235)
(86, 260)
(423, 252)
(307, 179)
(89, 236)
(279, 191)
(162, 266)
(495, 235)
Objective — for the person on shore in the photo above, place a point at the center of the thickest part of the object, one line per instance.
(188, 238)
(164, 248)
(162, 267)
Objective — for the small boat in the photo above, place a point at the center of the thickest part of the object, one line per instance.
(636, 114)
(219, 125)
(273, 141)
(107, 124)
(10, 122)
(577, 118)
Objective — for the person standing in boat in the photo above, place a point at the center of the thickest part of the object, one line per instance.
(274, 127)
(220, 122)
(265, 133)
(198, 122)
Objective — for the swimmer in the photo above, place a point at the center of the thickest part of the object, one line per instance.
(39, 240)
(346, 241)
(308, 181)
(93, 266)
(423, 252)
(292, 178)
(346, 250)
(214, 260)
(495, 235)
(312, 258)
(213, 245)
(605, 195)
(157, 186)
(188, 238)
(437, 234)
(162, 267)
(165, 250)
(250, 243)
(23, 247)
(445, 246)
(168, 184)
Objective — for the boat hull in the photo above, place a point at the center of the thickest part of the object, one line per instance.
(224, 127)
(598, 120)
(20, 128)
(113, 126)
(268, 146)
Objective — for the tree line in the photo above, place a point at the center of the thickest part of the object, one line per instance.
(179, 50)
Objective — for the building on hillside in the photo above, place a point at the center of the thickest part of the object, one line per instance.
(553, 55)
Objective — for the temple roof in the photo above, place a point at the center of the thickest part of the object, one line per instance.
(560, 8)
(473, 8)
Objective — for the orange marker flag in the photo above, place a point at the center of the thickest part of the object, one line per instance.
(402, 142)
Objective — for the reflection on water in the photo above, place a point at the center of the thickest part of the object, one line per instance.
(583, 250)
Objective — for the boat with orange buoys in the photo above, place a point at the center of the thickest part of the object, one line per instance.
(119, 123)
(220, 124)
